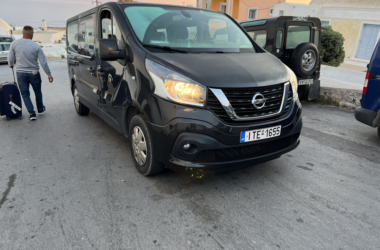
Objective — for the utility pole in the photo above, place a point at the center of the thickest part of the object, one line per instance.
(97, 2)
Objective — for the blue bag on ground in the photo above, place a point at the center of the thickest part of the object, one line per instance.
(10, 100)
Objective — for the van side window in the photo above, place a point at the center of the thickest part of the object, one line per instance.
(297, 35)
(110, 27)
(279, 39)
(116, 32)
(86, 38)
(72, 37)
(259, 36)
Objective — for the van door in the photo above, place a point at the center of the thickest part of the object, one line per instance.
(90, 86)
(111, 72)
(4, 50)
(72, 53)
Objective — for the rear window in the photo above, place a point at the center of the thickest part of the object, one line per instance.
(6, 39)
(297, 35)
(259, 36)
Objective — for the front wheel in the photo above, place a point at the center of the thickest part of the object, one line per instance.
(81, 109)
(143, 153)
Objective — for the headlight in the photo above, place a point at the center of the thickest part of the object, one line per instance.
(293, 81)
(175, 87)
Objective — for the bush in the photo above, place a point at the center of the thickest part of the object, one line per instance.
(332, 52)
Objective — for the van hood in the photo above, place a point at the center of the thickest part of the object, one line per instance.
(232, 70)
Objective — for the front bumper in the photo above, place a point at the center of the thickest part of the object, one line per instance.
(215, 146)
(366, 116)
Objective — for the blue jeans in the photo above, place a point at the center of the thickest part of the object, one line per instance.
(24, 79)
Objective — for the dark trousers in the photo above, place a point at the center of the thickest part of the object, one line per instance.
(26, 79)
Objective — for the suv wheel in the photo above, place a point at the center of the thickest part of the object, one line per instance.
(142, 150)
(81, 109)
(305, 59)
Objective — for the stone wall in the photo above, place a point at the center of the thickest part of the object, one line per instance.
(345, 97)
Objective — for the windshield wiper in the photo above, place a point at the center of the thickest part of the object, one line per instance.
(165, 48)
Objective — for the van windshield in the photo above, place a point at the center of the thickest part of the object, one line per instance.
(188, 29)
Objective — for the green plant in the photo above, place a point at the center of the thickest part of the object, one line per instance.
(327, 100)
(332, 52)
(62, 56)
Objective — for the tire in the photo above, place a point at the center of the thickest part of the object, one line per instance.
(305, 60)
(139, 135)
(81, 109)
(303, 92)
(378, 130)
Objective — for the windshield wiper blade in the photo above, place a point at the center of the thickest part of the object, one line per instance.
(168, 48)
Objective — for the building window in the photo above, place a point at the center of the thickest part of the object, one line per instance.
(271, 11)
(223, 7)
(325, 23)
(252, 13)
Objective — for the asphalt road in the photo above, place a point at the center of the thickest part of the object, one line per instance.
(68, 182)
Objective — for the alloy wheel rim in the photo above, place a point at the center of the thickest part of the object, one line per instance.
(308, 60)
(76, 99)
(139, 146)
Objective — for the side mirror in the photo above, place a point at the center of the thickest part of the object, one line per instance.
(108, 50)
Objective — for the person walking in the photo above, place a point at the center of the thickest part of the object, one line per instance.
(26, 53)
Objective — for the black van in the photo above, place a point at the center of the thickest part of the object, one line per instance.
(296, 41)
(188, 86)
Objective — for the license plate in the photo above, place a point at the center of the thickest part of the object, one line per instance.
(305, 82)
(260, 134)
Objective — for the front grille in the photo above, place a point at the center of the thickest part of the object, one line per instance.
(245, 152)
(241, 101)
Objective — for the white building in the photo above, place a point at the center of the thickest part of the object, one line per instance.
(5, 29)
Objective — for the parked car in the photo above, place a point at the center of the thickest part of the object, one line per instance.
(187, 86)
(369, 112)
(296, 41)
(6, 39)
(4, 51)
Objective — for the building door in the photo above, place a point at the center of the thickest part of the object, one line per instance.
(368, 41)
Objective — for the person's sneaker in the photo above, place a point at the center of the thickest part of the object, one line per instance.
(32, 117)
(41, 111)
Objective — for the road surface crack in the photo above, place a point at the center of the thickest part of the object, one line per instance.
(11, 182)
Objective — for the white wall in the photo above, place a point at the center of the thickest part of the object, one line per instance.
(297, 10)
(351, 13)
(347, 13)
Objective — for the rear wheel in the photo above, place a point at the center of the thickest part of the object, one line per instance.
(81, 109)
(305, 60)
(143, 153)
(378, 130)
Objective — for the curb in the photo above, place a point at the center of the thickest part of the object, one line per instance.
(345, 97)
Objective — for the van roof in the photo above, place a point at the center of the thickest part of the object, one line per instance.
(93, 10)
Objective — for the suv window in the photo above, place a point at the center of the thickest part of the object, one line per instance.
(259, 36)
(86, 38)
(297, 35)
(279, 39)
(72, 37)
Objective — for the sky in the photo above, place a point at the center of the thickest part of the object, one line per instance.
(55, 12)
